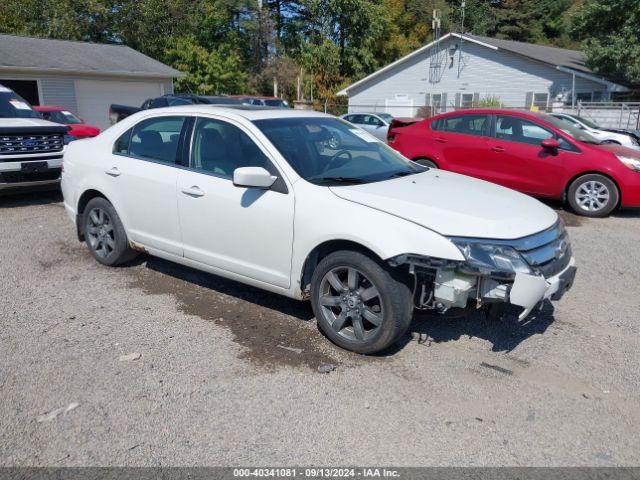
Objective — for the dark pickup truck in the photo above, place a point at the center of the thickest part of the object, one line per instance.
(120, 112)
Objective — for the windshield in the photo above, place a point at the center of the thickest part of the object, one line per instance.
(61, 116)
(588, 123)
(569, 129)
(328, 151)
(386, 117)
(13, 105)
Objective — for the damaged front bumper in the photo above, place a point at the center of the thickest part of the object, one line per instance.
(523, 272)
(528, 291)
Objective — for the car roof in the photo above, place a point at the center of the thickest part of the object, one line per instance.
(249, 112)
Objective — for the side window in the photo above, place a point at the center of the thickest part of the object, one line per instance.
(477, 125)
(159, 102)
(157, 139)
(357, 119)
(371, 120)
(173, 101)
(517, 129)
(122, 144)
(219, 148)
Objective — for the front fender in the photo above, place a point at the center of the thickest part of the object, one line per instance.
(321, 216)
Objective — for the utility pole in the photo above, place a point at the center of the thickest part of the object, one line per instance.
(463, 5)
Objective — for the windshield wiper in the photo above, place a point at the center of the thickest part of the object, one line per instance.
(400, 174)
(352, 180)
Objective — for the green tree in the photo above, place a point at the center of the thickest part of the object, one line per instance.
(610, 32)
(208, 71)
(89, 20)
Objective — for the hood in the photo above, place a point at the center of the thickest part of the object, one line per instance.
(27, 122)
(613, 148)
(83, 130)
(454, 205)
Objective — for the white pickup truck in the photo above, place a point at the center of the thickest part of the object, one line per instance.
(31, 149)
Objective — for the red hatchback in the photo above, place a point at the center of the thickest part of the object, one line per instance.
(530, 152)
(79, 129)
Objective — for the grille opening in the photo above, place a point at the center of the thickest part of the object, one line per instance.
(31, 143)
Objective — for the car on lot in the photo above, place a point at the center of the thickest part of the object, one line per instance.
(31, 148)
(533, 153)
(377, 124)
(77, 128)
(603, 135)
(261, 101)
(306, 205)
(120, 112)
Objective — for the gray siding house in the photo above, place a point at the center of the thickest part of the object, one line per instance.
(82, 77)
(458, 71)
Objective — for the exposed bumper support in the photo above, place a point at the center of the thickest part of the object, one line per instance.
(529, 290)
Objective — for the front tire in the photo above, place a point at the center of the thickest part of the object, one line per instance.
(104, 233)
(358, 303)
(593, 195)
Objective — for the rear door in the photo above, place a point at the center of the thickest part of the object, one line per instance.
(518, 161)
(461, 143)
(144, 169)
(375, 127)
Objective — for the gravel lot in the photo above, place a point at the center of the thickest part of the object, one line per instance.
(228, 374)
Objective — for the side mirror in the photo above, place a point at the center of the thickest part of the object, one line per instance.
(253, 177)
(550, 144)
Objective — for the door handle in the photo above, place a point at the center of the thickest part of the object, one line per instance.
(498, 149)
(440, 140)
(113, 172)
(194, 191)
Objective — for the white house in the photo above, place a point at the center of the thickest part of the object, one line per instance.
(459, 70)
(83, 77)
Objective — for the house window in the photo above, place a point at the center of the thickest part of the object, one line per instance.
(537, 101)
(439, 102)
(541, 100)
(466, 100)
(583, 96)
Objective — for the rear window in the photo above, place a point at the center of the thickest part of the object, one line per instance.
(477, 125)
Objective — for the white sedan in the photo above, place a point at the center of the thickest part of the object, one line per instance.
(308, 206)
(601, 134)
(377, 124)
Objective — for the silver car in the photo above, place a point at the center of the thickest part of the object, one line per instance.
(377, 124)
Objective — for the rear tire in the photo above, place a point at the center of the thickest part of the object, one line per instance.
(104, 233)
(358, 303)
(593, 195)
(425, 162)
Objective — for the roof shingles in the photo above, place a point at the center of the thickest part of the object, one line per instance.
(562, 57)
(79, 57)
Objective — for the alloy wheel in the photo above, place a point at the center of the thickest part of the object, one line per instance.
(592, 196)
(100, 232)
(351, 303)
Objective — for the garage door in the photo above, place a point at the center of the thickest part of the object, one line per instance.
(95, 96)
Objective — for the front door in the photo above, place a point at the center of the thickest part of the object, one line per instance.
(375, 127)
(246, 231)
(144, 171)
(518, 161)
